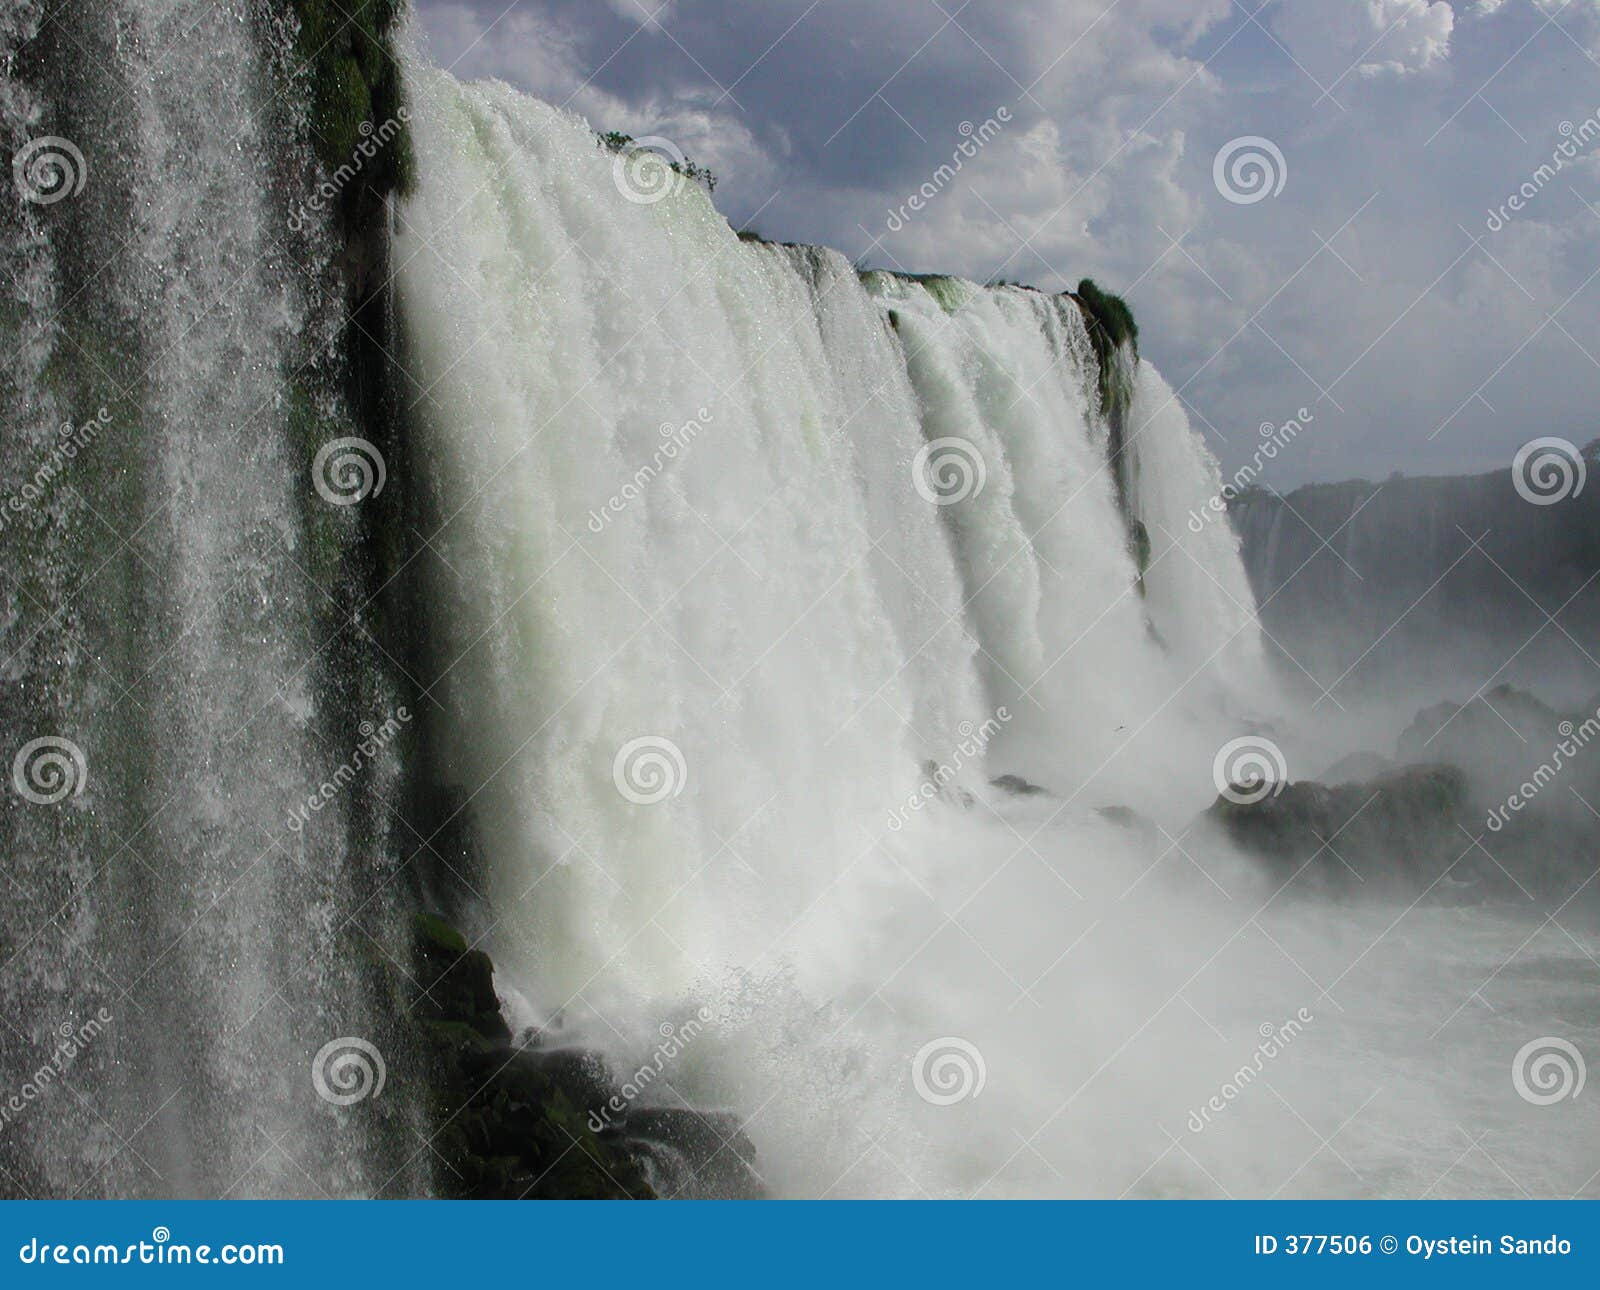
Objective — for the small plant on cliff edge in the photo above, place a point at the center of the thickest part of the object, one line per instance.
(1110, 314)
(617, 142)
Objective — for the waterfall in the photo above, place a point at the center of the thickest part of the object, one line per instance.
(753, 571)
(174, 952)
(819, 678)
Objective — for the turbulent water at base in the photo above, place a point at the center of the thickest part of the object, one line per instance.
(168, 950)
(680, 480)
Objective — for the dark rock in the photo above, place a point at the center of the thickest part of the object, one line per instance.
(696, 1155)
(511, 1123)
(1404, 825)
(1490, 737)
(1125, 817)
(1017, 786)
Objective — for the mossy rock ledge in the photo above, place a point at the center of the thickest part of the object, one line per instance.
(514, 1119)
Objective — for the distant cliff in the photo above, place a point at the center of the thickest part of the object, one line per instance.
(1427, 584)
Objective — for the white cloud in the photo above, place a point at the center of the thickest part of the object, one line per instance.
(647, 13)
(1335, 38)
(538, 54)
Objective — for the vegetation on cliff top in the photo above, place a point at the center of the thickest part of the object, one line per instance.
(616, 141)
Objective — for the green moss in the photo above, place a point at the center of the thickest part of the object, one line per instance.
(511, 1121)
(329, 531)
(1113, 333)
(347, 71)
(1139, 539)
(434, 933)
(1110, 315)
(1115, 337)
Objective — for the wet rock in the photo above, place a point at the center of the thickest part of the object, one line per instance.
(696, 1155)
(510, 1123)
(1403, 825)
(1017, 786)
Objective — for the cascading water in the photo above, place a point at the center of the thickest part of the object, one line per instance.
(752, 572)
(747, 577)
(173, 953)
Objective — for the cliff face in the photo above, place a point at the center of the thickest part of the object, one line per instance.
(1427, 585)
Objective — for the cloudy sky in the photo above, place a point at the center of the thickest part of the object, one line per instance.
(1379, 279)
